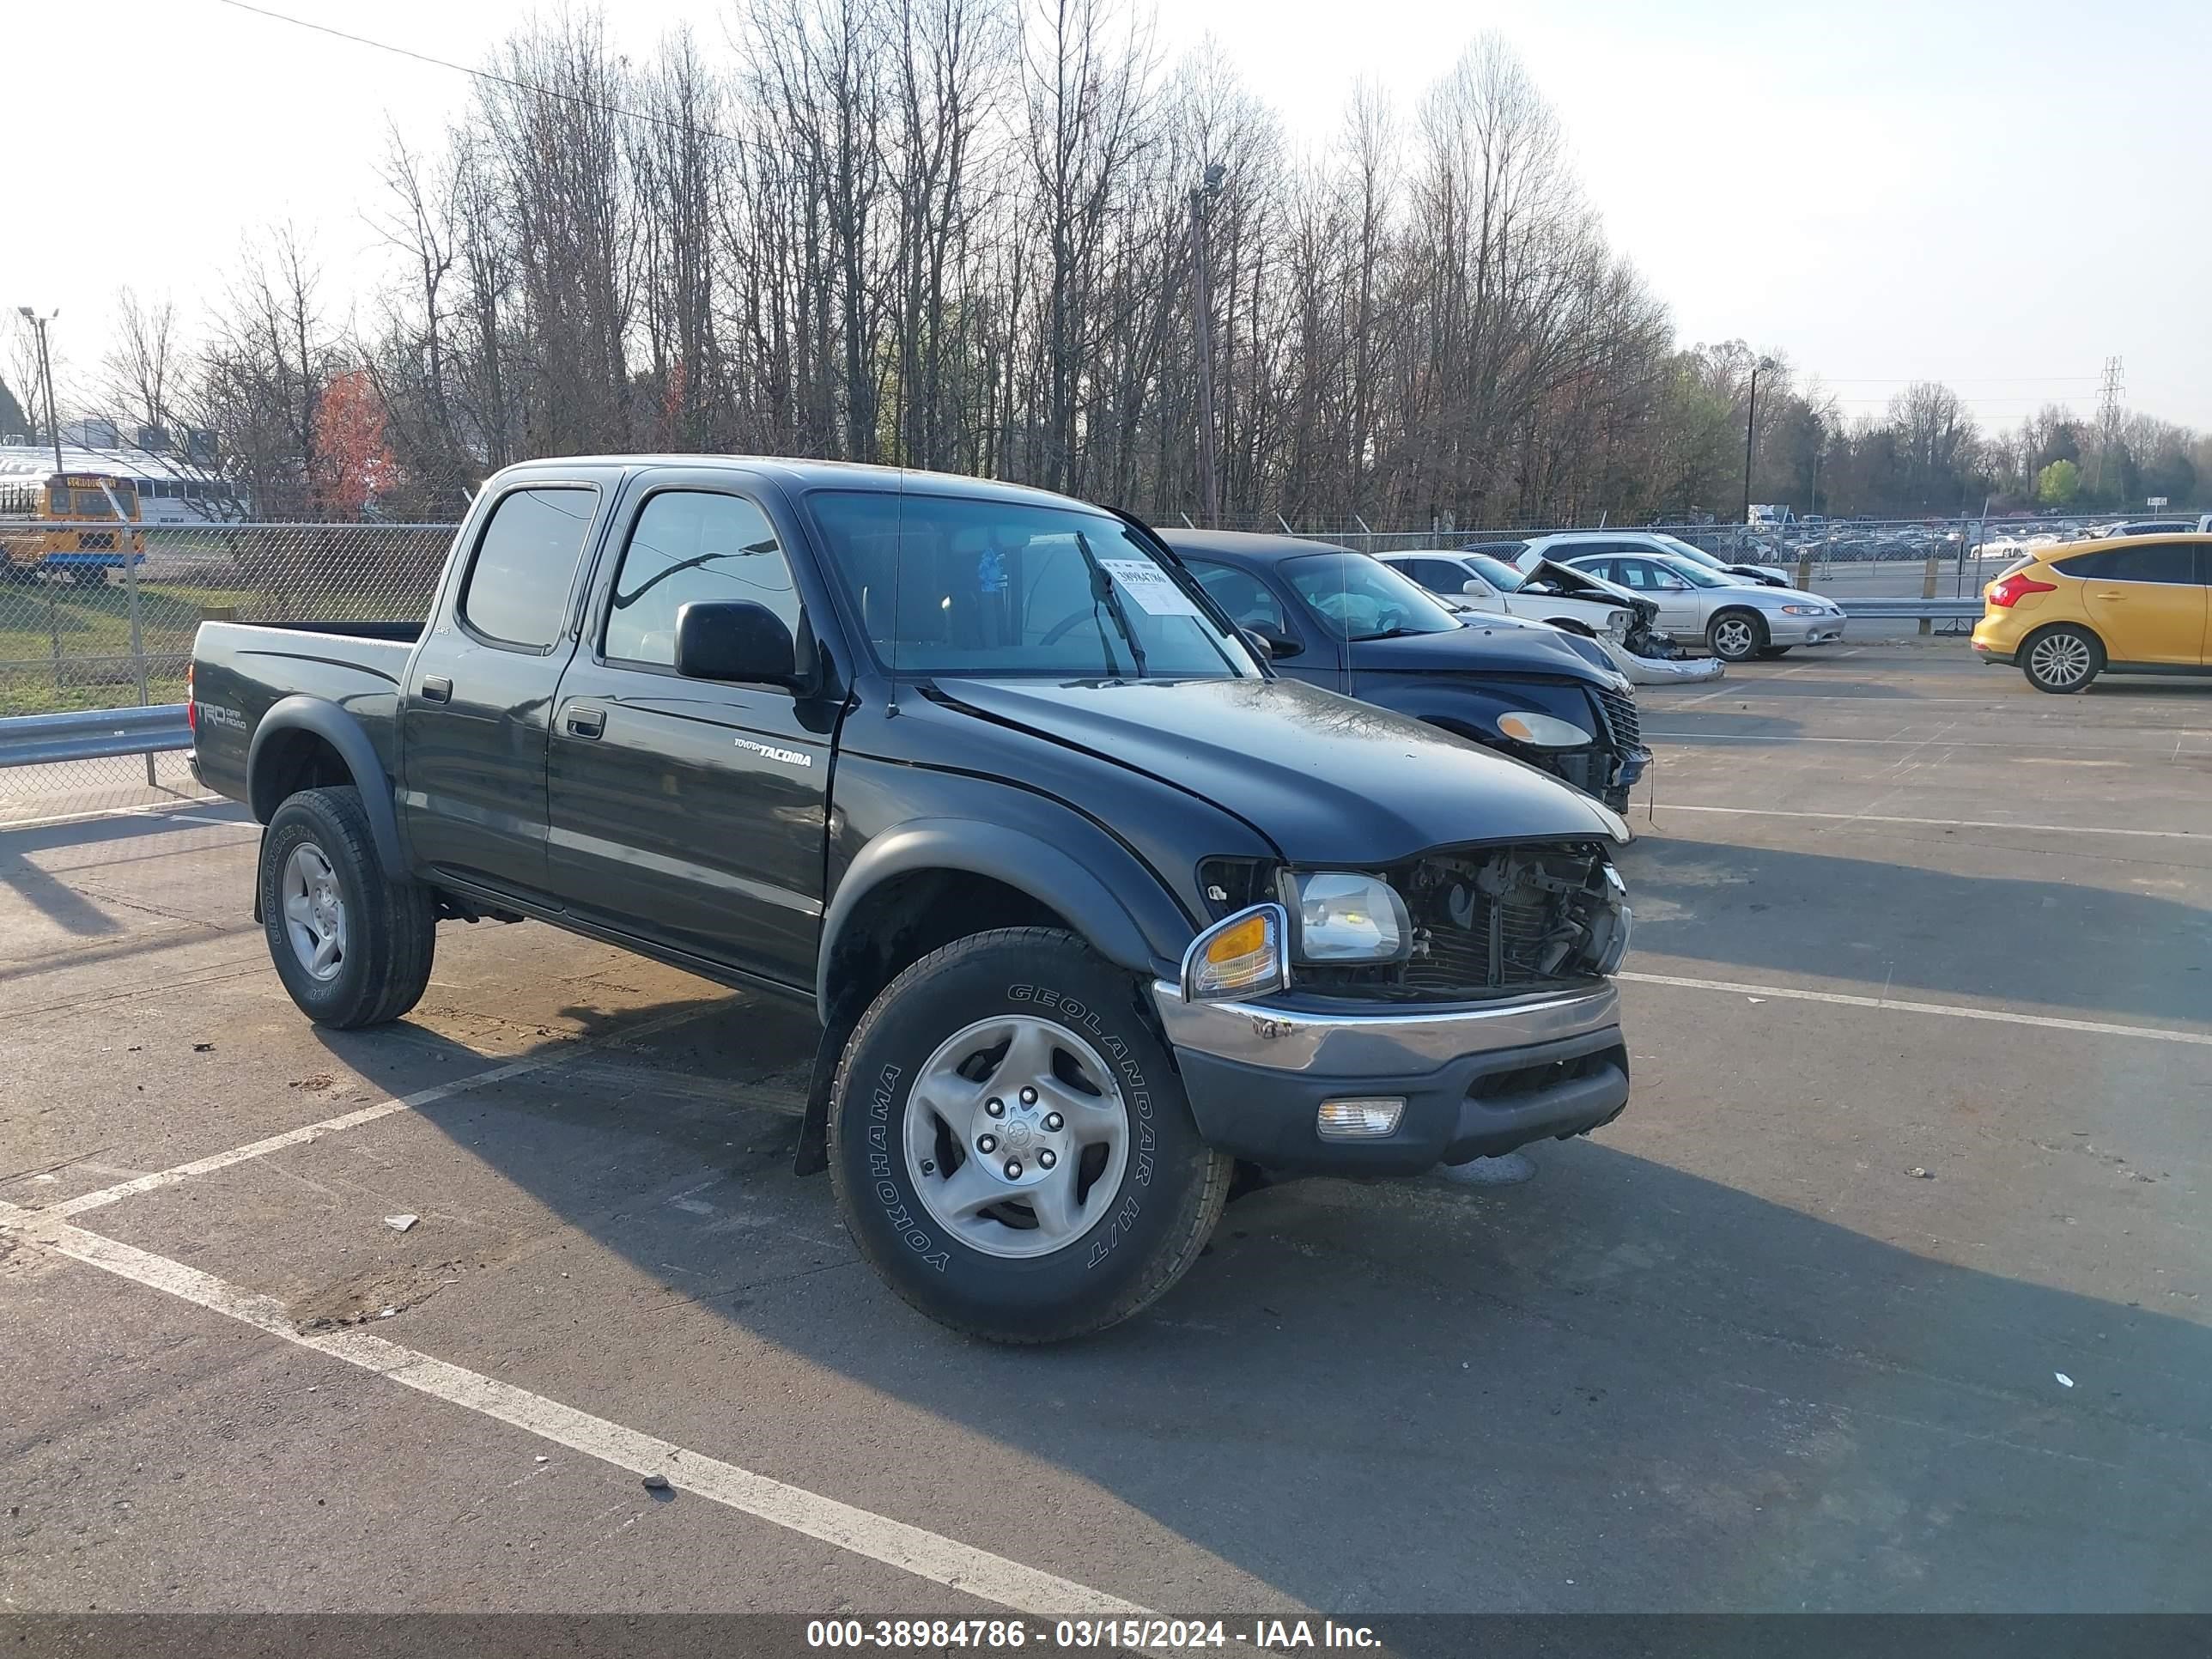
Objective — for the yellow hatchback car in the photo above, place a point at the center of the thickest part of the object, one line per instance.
(2073, 610)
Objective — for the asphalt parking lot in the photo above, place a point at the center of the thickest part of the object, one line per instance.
(1890, 1291)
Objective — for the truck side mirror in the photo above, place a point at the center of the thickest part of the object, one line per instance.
(736, 641)
(1257, 644)
(1275, 645)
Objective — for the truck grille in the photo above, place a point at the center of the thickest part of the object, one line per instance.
(1495, 921)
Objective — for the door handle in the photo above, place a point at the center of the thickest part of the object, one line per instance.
(584, 720)
(436, 688)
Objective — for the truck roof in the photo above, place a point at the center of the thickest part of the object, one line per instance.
(811, 475)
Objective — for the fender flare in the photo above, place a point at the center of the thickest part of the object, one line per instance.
(1018, 858)
(325, 719)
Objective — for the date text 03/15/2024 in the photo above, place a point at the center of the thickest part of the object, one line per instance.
(990, 1635)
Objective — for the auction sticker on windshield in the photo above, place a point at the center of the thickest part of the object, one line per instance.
(1151, 587)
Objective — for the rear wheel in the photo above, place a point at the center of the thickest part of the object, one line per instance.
(353, 947)
(2062, 660)
(1737, 635)
(1011, 1147)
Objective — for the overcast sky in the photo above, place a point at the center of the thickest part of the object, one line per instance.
(1995, 193)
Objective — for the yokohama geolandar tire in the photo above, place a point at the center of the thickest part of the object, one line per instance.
(1012, 1148)
(353, 946)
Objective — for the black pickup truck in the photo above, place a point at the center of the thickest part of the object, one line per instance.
(1097, 914)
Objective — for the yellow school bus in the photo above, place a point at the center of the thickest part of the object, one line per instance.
(66, 524)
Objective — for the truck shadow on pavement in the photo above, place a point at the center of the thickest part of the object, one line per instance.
(2065, 947)
(1622, 1385)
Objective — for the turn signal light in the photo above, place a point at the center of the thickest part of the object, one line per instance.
(1359, 1120)
(1243, 955)
(2008, 591)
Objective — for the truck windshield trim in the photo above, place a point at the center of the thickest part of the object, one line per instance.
(960, 585)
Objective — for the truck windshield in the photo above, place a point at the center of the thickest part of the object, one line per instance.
(948, 585)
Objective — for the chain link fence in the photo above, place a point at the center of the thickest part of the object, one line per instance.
(115, 632)
(78, 634)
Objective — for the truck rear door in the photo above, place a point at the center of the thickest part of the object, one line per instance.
(691, 813)
(480, 689)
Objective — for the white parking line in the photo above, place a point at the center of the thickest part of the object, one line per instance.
(1895, 742)
(1948, 1010)
(1944, 823)
(353, 1120)
(911, 1549)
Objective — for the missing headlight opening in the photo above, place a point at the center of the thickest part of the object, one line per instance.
(1497, 921)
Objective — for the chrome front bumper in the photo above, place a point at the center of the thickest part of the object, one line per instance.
(1475, 1080)
(1381, 1044)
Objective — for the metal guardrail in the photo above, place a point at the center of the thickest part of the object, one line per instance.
(1963, 610)
(93, 734)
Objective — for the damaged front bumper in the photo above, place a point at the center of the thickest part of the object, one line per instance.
(1475, 1080)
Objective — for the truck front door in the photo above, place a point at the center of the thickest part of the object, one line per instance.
(684, 811)
(472, 748)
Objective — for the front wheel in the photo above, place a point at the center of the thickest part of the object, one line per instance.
(1738, 635)
(1011, 1147)
(353, 946)
(2062, 660)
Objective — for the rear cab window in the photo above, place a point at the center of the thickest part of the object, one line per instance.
(516, 591)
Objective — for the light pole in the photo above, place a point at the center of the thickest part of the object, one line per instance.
(46, 373)
(1750, 422)
(1201, 203)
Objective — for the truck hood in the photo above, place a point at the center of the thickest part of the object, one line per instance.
(1506, 648)
(1328, 780)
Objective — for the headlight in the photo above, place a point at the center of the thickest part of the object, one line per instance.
(1243, 955)
(1344, 917)
(1805, 610)
(1543, 730)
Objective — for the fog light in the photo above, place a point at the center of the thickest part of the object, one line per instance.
(1357, 1119)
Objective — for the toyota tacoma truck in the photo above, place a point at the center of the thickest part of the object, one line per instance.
(1098, 914)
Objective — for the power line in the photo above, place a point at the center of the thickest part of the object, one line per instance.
(577, 99)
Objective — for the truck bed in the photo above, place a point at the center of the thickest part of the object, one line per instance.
(241, 670)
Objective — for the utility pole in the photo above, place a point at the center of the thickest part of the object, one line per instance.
(1750, 424)
(1201, 292)
(46, 373)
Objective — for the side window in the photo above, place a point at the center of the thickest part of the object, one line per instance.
(693, 544)
(1629, 573)
(2150, 561)
(1245, 598)
(516, 591)
(1441, 576)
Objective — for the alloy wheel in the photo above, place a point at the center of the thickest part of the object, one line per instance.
(314, 912)
(2060, 660)
(1017, 1136)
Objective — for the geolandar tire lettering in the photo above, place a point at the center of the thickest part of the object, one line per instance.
(1011, 1147)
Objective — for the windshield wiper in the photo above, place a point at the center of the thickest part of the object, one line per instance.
(1102, 593)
